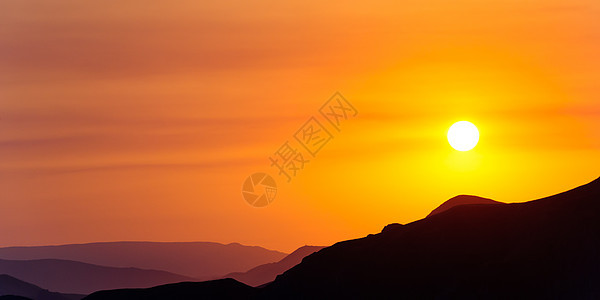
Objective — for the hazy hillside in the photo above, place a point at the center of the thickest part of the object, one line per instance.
(202, 260)
(13, 289)
(267, 272)
(75, 277)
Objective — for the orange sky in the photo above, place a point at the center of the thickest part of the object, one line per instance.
(125, 120)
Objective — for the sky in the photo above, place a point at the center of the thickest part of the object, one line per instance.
(130, 120)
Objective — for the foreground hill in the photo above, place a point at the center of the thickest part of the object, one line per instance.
(202, 260)
(75, 277)
(217, 289)
(12, 288)
(267, 272)
(542, 249)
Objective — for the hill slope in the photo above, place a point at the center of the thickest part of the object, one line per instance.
(267, 272)
(202, 260)
(75, 277)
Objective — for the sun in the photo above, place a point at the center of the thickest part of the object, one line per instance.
(463, 136)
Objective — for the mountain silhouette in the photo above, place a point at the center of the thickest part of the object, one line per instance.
(267, 272)
(76, 277)
(542, 249)
(201, 260)
(547, 248)
(15, 289)
(461, 200)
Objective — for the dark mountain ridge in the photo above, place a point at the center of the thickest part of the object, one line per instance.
(546, 248)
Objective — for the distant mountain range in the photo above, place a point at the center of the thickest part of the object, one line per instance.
(82, 278)
(543, 249)
(267, 272)
(200, 260)
(76, 277)
(15, 289)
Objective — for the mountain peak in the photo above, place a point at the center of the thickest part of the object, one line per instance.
(392, 226)
(461, 200)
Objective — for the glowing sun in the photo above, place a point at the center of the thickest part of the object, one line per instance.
(463, 136)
